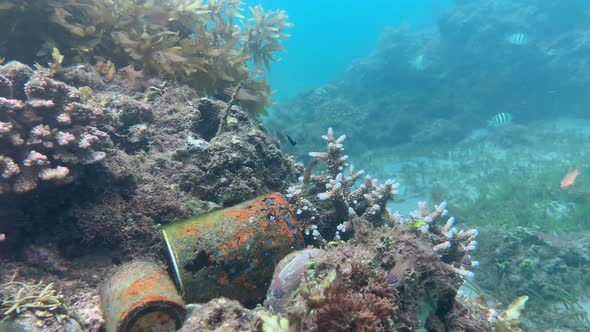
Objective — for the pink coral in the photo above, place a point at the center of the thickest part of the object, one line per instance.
(64, 138)
(47, 131)
(9, 167)
(87, 140)
(59, 172)
(5, 127)
(64, 118)
(40, 103)
(35, 159)
(11, 104)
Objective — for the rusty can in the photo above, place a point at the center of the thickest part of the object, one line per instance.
(141, 296)
(233, 252)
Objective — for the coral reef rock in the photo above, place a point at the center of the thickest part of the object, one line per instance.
(48, 132)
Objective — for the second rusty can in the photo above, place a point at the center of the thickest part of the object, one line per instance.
(233, 252)
(140, 296)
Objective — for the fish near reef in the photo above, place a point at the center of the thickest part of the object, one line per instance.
(283, 139)
(291, 141)
(420, 62)
(569, 179)
(500, 119)
(518, 39)
(398, 273)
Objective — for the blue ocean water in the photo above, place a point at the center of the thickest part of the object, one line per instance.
(330, 34)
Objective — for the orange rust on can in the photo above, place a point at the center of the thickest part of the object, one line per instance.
(228, 249)
(192, 230)
(140, 296)
(140, 285)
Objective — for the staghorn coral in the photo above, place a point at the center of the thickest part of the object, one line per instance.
(206, 44)
(47, 130)
(333, 190)
(332, 193)
(393, 273)
(38, 300)
(452, 245)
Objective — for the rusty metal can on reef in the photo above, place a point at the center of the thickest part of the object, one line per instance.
(140, 296)
(233, 252)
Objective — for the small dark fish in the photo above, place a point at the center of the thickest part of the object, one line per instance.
(283, 139)
(291, 141)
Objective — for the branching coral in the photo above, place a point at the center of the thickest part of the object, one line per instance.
(333, 190)
(416, 264)
(452, 245)
(333, 193)
(47, 130)
(327, 202)
(39, 300)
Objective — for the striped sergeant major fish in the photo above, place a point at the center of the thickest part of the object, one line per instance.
(518, 39)
(500, 120)
(420, 62)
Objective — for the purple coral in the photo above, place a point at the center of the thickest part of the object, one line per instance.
(47, 130)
